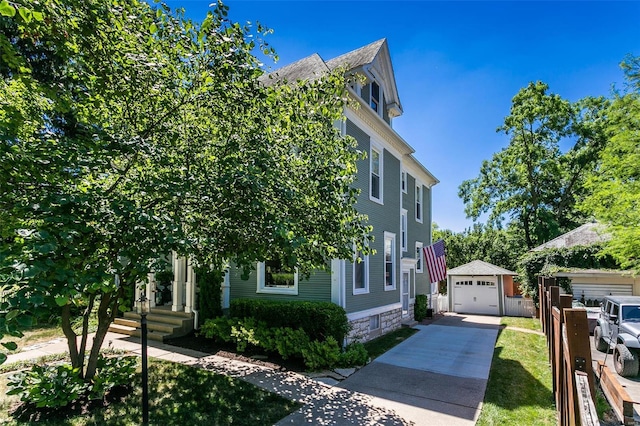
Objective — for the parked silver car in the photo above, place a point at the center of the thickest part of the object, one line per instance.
(618, 329)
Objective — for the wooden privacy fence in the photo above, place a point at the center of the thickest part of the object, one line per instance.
(567, 332)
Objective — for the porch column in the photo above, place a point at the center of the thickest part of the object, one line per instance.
(226, 290)
(178, 282)
(190, 288)
(151, 289)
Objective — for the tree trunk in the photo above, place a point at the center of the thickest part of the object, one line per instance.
(76, 360)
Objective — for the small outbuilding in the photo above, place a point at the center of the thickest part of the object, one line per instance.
(592, 285)
(479, 288)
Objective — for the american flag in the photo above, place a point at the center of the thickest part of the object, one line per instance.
(436, 263)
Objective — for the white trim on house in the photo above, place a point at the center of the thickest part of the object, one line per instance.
(261, 288)
(403, 230)
(365, 262)
(419, 202)
(419, 261)
(376, 147)
(373, 311)
(394, 263)
(403, 180)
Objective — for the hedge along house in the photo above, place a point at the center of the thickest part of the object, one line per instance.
(479, 287)
(378, 294)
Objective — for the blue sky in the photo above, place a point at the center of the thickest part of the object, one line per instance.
(458, 64)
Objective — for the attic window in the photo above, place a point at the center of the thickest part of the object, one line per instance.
(375, 96)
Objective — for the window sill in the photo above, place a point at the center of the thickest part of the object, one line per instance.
(360, 291)
(376, 200)
(266, 290)
(389, 287)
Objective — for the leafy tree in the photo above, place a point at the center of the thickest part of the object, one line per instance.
(128, 132)
(615, 186)
(532, 181)
(501, 247)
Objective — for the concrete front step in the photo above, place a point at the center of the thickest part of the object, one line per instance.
(161, 324)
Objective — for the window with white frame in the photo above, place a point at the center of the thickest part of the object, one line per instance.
(419, 268)
(374, 101)
(275, 277)
(419, 203)
(360, 273)
(374, 322)
(375, 166)
(403, 181)
(389, 261)
(403, 229)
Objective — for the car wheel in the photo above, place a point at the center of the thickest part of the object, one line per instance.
(599, 342)
(625, 361)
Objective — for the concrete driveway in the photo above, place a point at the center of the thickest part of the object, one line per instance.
(438, 376)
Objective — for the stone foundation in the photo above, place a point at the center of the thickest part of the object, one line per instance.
(389, 321)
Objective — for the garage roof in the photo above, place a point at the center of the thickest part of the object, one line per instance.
(479, 267)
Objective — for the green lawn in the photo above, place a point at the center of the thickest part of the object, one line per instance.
(519, 390)
(380, 345)
(528, 323)
(179, 395)
(32, 336)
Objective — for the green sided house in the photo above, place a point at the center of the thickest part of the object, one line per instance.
(378, 294)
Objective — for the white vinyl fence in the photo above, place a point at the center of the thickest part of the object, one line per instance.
(519, 307)
(442, 303)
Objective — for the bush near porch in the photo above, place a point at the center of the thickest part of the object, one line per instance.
(307, 330)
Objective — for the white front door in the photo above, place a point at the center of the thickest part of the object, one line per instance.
(405, 293)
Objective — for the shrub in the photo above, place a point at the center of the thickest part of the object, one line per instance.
(319, 320)
(355, 354)
(289, 342)
(58, 385)
(48, 386)
(318, 355)
(113, 371)
(244, 333)
(218, 329)
(420, 308)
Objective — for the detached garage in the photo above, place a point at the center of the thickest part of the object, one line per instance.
(594, 284)
(479, 288)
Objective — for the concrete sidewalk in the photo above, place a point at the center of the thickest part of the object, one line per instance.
(438, 376)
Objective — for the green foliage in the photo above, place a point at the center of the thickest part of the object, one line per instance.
(319, 355)
(165, 140)
(48, 386)
(354, 354)
(210, 297)
(550, 260)
(113, 371)
(500, 247)
(218, 329)
(164, 276)
(319, 320)
(420, 307)
(531, 182)
(615, 188)
(60, 384)
(288, 342)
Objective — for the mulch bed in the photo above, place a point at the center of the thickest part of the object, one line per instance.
(251, 355)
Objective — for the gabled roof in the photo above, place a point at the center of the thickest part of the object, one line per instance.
(374, 60)
(359, 57)
(585, 235)
(309, 68)
(478, 268)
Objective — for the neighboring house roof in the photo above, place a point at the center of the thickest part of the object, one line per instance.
(479, 267)
(578, 272)
(585, 235)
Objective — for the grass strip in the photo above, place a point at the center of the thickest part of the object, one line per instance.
(519, 390)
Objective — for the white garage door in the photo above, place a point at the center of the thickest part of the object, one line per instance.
(475, 295)
(593, 291)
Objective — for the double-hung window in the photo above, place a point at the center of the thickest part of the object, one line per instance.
(375, 96)
(376, 175)
(389, 261)
(419, 203)
(419, 268)
(360, 273)
(403, 181)
(403, 230)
